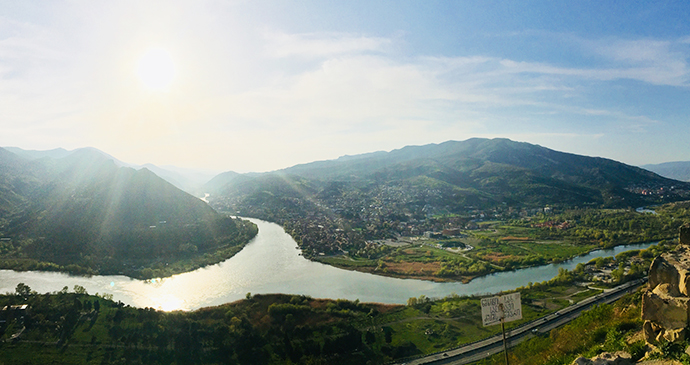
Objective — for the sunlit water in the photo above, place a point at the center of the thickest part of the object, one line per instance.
(271, 263)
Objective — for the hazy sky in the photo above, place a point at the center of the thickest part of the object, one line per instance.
(262, 85)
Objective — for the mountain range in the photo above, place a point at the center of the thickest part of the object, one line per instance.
(678, 170)
(337, 206)
(455, 175)
(85, 206)
(533, 170)
(189, 180)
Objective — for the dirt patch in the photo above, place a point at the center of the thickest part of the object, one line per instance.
(571, 291)
(497, 257)
(413, 267)
(513, 238)
(408, 270)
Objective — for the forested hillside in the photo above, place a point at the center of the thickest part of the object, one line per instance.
(336, 206)
(82, 213)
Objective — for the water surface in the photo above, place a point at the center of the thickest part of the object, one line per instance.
(271, 263)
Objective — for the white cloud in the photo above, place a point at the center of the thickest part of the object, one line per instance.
(317, 45)
(319, 94)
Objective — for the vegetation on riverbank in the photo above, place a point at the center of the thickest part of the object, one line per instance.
(272, 329)
(150, 253)
(263, 329)
(543, 206)
(81, 213)
(494, 246)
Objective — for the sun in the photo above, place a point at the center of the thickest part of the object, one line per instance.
(156, 69)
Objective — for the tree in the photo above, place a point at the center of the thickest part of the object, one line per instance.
(618, 273)
(23, 290)
(80, 289)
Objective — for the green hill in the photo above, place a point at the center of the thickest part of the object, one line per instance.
(453, 176)
(334, 206)
(84, 212)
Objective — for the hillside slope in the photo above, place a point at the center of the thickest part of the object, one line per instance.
(186, 179)
(453, 176)
(85, 211)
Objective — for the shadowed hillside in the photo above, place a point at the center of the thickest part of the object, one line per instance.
(83, 210)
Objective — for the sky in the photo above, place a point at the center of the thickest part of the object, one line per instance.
(263, 85)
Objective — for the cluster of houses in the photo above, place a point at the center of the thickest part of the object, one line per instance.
(655, 190)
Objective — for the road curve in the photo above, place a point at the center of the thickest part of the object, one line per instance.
(478, 350)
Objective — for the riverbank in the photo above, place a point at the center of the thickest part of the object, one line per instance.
(416, 271)
(427, 270)
(93, 328)
(158, 269)
(488, 246)
(186, 258)
(270, 263)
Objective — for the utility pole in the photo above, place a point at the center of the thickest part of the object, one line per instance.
(504, 308)
(503, 329)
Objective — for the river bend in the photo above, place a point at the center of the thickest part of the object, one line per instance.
(271, 263)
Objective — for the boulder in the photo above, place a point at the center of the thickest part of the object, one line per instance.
(606, 358)
(669, 312)
(651, 331)
(674, 335)
(666, 303)
(684, 235)
(661, 271)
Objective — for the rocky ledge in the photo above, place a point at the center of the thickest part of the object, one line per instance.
(666, 302)
(606, 358)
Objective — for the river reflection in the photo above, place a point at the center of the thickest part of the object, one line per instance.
(272, 264)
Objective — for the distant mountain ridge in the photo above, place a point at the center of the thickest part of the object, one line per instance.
(678, 170)
(189, 180)
(478, 172)
(468, 155)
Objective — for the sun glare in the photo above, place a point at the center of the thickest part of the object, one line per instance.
(156, 69)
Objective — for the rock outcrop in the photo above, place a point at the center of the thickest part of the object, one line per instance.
(606, 358)
(666, 302)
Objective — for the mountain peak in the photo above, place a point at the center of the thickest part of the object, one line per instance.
(491, 170)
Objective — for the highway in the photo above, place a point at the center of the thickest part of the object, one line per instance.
(478, 350)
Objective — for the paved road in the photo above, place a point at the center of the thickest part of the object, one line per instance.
(492, 345)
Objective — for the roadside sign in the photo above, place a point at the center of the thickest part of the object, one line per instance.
(507, 307)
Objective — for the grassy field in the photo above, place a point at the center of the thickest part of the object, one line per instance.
(495, 247)
(610, 328)
(433, 326)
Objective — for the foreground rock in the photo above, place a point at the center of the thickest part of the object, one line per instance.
(606, 358)
(666, 302)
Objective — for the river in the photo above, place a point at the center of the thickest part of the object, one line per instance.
(271, 263)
